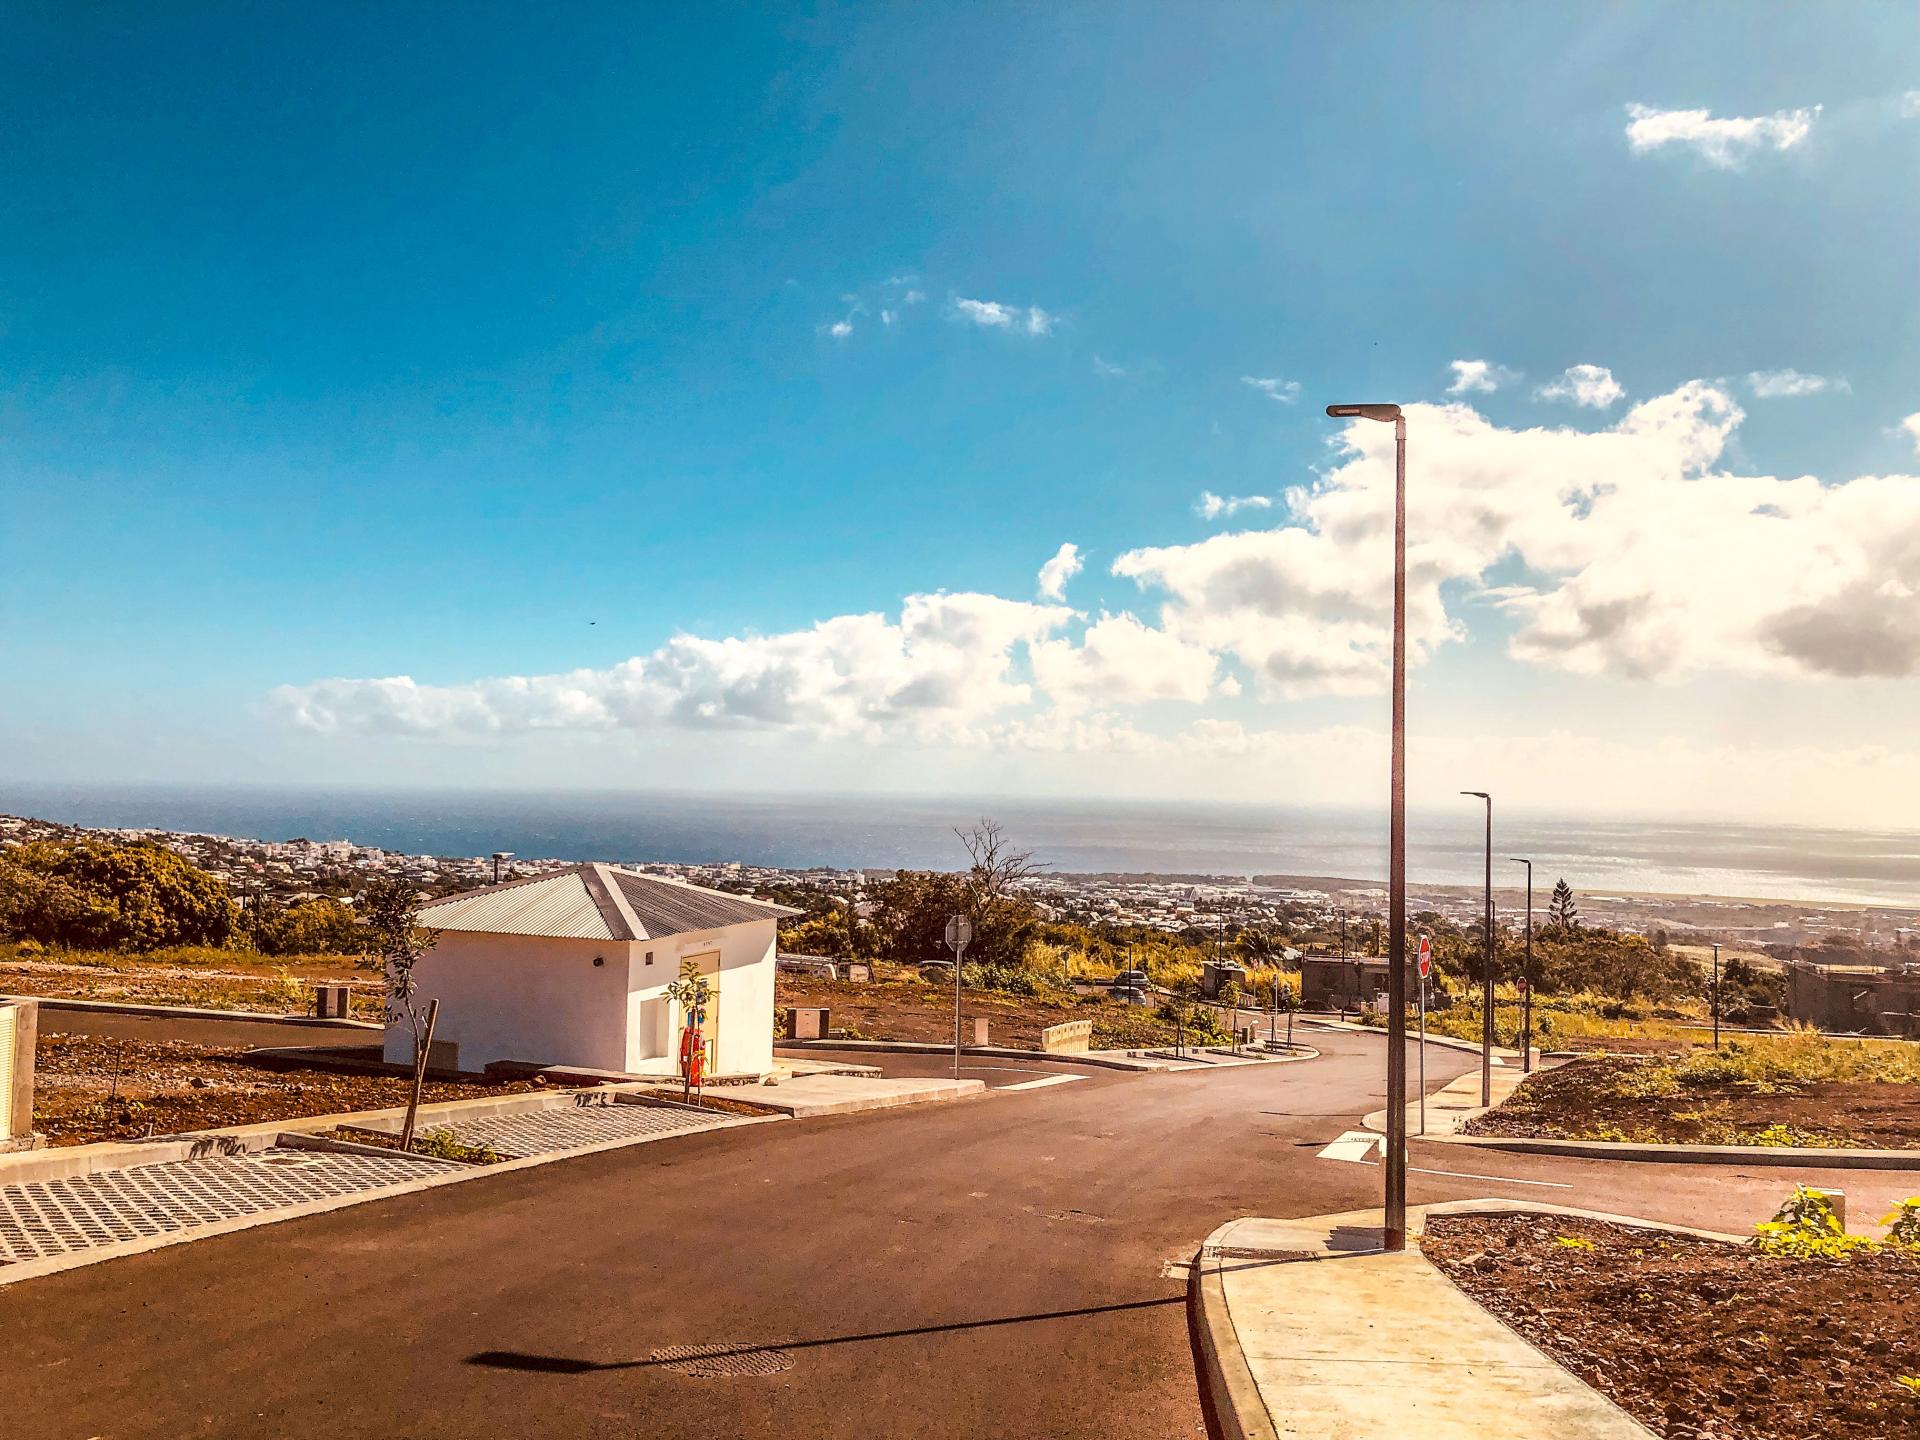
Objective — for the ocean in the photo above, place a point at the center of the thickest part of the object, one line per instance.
(1444, 847)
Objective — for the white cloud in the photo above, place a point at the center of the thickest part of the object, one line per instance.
(1640, 559)
(1055, 574)
(887, 317)
(1212, 507)
(1722, 142)
(1789, 384)
(1120, 661)
(840, 329)
(1107, 370)
(1910, 105)
(993, 315)
(947, 663)
(1590, 385)
(1481, 376)
(1912, 426)
(1274, 388)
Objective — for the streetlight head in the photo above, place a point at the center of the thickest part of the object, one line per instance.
(1519, 859)
(1385, 413)
(1477, 794)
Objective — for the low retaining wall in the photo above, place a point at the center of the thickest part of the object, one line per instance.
(1074, 1037)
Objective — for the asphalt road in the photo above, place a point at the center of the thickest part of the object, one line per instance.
(995, 1266)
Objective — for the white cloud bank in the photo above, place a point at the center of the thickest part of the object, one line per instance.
(1723, 141)
(1640, 558)
(1055, 574)
(1623, 551)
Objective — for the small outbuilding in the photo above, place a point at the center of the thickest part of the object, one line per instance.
(572, 968)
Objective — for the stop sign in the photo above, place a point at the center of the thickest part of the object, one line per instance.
(1426, 957)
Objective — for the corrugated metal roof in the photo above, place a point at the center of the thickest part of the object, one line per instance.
(671, 907)
(582, 904)
(546, 905)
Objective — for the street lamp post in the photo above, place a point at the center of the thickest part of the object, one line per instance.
(498, 856)
(1394, 1217)
(1526, 978)
(1486, 973)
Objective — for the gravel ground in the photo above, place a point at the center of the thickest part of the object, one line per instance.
(1699, 1339)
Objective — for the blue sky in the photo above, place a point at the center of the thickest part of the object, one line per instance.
(347, 344)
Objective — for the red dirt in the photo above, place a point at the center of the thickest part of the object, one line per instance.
(1581, 1098)
(1699, 1338)
(165, 1087)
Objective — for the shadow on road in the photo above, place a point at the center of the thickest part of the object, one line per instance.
(567, 1365)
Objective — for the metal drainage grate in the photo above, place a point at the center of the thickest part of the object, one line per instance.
(711, 1362)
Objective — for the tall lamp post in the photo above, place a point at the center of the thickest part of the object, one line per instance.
(1395, 1214)
(1526, 978)
(1486, 973)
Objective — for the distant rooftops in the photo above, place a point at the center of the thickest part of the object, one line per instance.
(595, 902)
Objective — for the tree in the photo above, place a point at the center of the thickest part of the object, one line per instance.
(91, 894)
(912, 909)
(1562, 914)
(396, 944)
(319, 926)
(693, 994)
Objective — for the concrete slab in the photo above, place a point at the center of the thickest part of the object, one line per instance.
(1308, 1328)
(805, 1096)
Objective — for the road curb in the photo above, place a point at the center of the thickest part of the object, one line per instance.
(990, 1052)
(190, 1012)
(1228, 1394)
(1776, 1156)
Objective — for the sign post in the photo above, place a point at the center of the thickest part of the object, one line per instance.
(959, 932)
(1426, 969)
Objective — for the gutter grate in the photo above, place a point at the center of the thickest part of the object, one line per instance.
(713, 1362)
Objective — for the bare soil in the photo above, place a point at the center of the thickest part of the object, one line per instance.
(912, 1009)
(1581, 1100)
(257, 983)
(89, 1089)
(1699, 1338)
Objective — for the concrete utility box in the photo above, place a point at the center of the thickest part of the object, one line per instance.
(19, 1032)
(860, 972)
(330, 1001)
(806, 1022)
(1215, 974)
(980, 1031)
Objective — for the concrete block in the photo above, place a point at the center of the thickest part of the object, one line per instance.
(806, 1022)
(1071, 1038)
(980, 1030)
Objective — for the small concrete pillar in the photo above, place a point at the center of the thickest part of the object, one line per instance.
(330, 1001)
(19, 1033)
(980, 1031)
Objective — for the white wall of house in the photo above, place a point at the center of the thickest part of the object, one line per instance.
(542, 999)
(744, 977)
(523, 997)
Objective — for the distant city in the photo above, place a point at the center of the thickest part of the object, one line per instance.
(297, 869)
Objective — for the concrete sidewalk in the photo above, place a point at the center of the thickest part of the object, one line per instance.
(805, 1096)
(1305, 1327)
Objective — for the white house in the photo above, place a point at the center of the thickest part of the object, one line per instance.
(572, 968)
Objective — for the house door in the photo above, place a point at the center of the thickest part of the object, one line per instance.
(709, 966)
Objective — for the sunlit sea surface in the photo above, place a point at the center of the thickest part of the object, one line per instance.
(885, 831)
